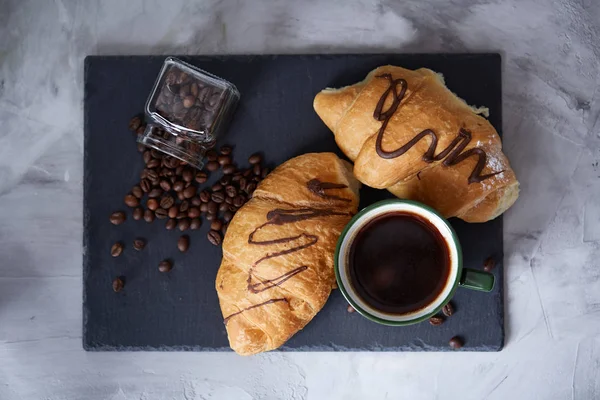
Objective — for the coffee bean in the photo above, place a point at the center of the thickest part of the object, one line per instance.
(189, 101)
(239, 200)
(138, 213)
(195, 224)
(256, 170)
(161, 213)
(201, 177)
(183, 207)
(256, 179)
(139, 244)
(148, 216)
(178, 186)
(212, 166)
(131, 200)
(227, 216)
(152, 204)
(233, 208)
(118, 284)
(247, 172)
(156, 154)
(205, 196)
(225, 180)
(117, 218)
(189, 192)
(265, 172)
(211, 155)
(489, 264)
(255, 158)
(167, 202)
(145, 185)
(151, 175)
(436, 321)
(181, 215)
(156, 192)
(350, 309)
(183, 243)
(183, 224)
(165, 266)
(116, 249)
(216, 187)
(224, 229)
(216, 225)
(229, 200)
(226, 150)
(173, 211)
(231, 191)
(137, 192)
(251, 188)
(223, 207)
(153, 163)
(229, 169)
(171, 162)
(448, 310)
(180, 196)
(203, 207)
(165, 185)
(187, 175)
(210, 217)
(224, 160)
(195, 201)
(212, 207)
(135, 123)
(243, 183)
(456, 342)
(236, 177)
(214, 237)
(171, 224)
(218, 197)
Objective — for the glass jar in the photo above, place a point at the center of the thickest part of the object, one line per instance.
(192, 109)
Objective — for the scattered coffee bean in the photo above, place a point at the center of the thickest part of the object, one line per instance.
(181, 215)
(154, 193)
(137, 191)
(229, 169)
(138, 214)
(183, 243)
(216, 187)
(135, 123)
(214, 237)
(153, 163)
(178, 186)
(116, 249)
(210, 217)
(180, 196)
(247, 172)
(165, 185)
(239, 200)
(173, 211)
(448, 310)
(184, 206)
(226, 150)
(255, 158)
(117, 218)
(256, 170)
(205, 196)
(212, 166)
(139, 244)
(456, 342)
(211, 155)
(218, 197)
(195, 224)
(156, 154)
(183, 224)
(236, 178)
(243, 182)
(489, 264)
(233, 208)
(118, 284)
(212, 207)
(229, 200)
(231, 191)
(224, 229)
(167, 202)
(145, 185)
(171, 224)
(350, 309)
(152, 204)
(195, 201)
(436, 321)
(251, 188)
(203, 207)
(223, 207)
(152, 176)
(224, 160)
(227, 216)
(161, 213)
(148, 216)
(147, 156)
(187, 175)
(165, 266)
(201, 177)
(265, 172)
(216, 225)
(189, 192)
(141, 148)
(225, 180)
(194, 212)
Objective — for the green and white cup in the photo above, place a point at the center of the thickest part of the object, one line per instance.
(458, 276)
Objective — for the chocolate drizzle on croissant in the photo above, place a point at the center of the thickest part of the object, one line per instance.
(452, 155)
(318, 188)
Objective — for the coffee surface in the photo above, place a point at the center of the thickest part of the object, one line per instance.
(399, 263)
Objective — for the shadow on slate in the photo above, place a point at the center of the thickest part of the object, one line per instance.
(180, 310)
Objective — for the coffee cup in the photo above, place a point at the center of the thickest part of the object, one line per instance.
(398, 262)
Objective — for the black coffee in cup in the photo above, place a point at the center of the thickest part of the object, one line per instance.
(399, 263)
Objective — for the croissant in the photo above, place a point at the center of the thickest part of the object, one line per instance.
(277, 267)
(408, 133)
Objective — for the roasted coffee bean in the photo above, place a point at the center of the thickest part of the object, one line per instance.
(165, 266)
(211, 155)
(223, 207)
(180, 196)
(489, 264)
(135, 123)
(216, 187)
(227, 216)
(218, 197)
(256, 170)
(152, 204)
(118, 284)
(236, 177)
(117, 218)
(350, 309)
(141, 148)
(203, 207)
(255, 158)
(226, 150)
(250, 188)
(205, 196)
(194, 212)
(216, 224)
(183, 207)
(256, 179)
(436, 321)
(131, 200)
(156, 192)
(116, 249)
(171, 224)
(195, 224)
(265, 172)
(195, 201)
(145, 185)
(183, 243)
(448, 310)
(161, 213)
(189, 192)
(138, 213)
(139, 244)
(165, 185)
(170, 162)
(173, 211)
(187, 175)
(231, 191)
(212, 166)
(151, 175)
(247, 172)
(156, 154)
(233, 208)
(137, 191)
(201, 177)
(189, 101)
(243, 183)
(224, 160)
(148, 216)
(210, 217)
(456, 342)
(214, 237)
(181, 215)
(229, 169)
(167, 202)
(229, 200)
(212, 207)
(178, 186)
(183, 224)
(224, 229)
(239, 200)
(153, 163)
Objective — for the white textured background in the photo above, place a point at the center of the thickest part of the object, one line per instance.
(551, 52)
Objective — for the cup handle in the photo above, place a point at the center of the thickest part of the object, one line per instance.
(477, 280)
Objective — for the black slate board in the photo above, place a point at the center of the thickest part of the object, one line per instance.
(179, 310)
